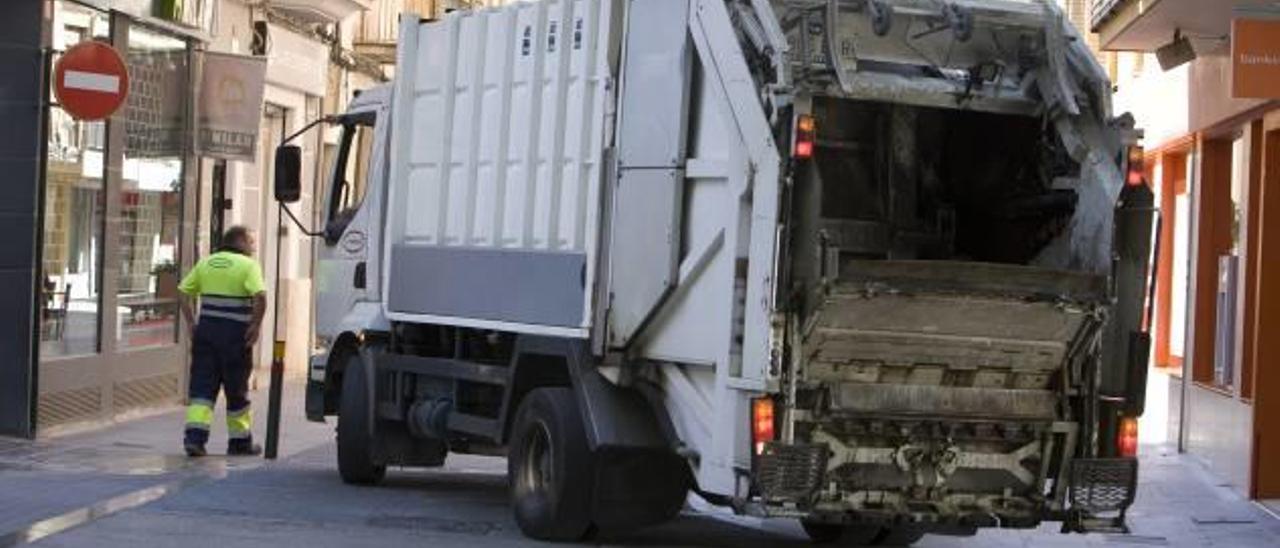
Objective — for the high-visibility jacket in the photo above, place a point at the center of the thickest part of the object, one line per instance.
(225, 282)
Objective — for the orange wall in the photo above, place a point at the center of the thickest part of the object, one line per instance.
(1250, 266)
(1266, 354)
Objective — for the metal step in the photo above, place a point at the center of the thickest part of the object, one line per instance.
(1101, 491)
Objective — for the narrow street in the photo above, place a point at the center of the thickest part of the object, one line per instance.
(128, 485)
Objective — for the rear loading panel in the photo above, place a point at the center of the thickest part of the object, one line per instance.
(945, 391)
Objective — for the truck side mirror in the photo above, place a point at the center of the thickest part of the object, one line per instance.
(288, 183)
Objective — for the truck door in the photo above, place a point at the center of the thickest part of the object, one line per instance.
(347, 262)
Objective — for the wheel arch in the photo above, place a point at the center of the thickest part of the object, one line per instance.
(346, 345)
(614, 416)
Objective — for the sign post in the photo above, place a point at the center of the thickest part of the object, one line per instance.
(91, 81)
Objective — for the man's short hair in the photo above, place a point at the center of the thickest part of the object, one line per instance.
(234, 237)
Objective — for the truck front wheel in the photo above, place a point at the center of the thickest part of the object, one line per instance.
(355, 427)
(550, 467)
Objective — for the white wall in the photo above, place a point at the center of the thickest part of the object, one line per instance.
(1159, 100)
(1159, 103)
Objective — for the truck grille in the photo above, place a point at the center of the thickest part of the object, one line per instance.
(790, 473)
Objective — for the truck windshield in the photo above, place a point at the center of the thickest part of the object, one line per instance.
(350, 169)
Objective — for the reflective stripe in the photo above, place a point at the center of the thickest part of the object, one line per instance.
(239, 423)
(200, 414)
(206, 313)
(231, 302)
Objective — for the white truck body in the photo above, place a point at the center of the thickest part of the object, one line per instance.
(499, 153)
(503, 125)
(620, 173)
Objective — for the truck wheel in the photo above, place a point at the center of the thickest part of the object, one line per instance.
(899, 536)
(550, 467)
(842, 535)
(355, 438)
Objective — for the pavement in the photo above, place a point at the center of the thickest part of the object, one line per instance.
(128, 485)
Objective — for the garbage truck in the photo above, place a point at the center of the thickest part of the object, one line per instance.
(878, 266)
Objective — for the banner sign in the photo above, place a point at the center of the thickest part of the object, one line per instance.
(1255, 59)
(230, 106)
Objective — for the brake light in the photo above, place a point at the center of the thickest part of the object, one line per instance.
(1137, 166)
(762, 421)
(806, 134)
(1127, 437)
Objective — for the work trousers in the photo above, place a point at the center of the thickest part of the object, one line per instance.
(220, 358)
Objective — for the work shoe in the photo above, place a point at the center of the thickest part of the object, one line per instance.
(194, 450)
(251, 450)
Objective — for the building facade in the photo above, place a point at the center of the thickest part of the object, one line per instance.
(1213, 160)
(92, 262)
(103, 217)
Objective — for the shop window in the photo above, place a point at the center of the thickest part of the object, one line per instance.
(154, 170)
(1220, 272)
(1226, 356)
(71, 300)
(1212, 241)
(1248, 248)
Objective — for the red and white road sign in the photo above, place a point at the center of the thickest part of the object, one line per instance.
(91, 81)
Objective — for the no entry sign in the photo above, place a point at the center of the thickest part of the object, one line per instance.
(91, 81)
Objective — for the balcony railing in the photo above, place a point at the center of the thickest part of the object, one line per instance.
(1103, 10)
(192, 13)
(381, 24)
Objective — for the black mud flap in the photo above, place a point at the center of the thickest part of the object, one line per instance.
(317, 375)
(1101, 491)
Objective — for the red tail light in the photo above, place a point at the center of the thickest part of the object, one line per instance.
(762, 423)
(806, 134)
(1127, 437)
(1137, 167)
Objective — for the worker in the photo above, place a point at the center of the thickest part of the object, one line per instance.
(232, 301)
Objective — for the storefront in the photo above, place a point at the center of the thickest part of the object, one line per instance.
(102, 217)
(110, 220)
(1214, 163)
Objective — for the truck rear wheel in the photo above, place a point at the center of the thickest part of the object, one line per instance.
(840, 535)
(355, 432)
(550, 467)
